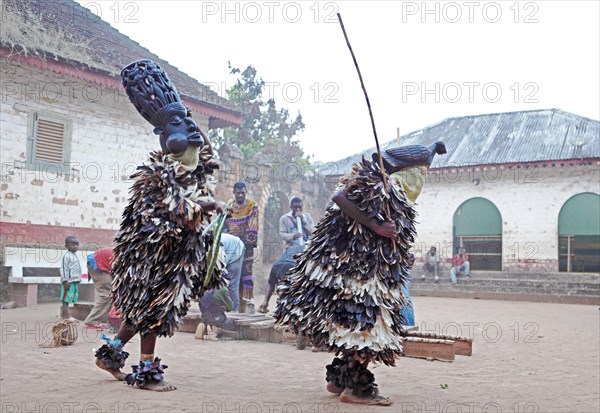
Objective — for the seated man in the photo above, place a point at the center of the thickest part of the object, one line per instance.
(432, 261)
(460, 263)
(213, 305)
(278, 270)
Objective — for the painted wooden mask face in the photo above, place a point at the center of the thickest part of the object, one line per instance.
(177, 130)
(155, 97)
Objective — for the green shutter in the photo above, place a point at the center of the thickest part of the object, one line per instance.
(477, 216)
(580, 215)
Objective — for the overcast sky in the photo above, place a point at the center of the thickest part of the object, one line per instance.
(421, 62)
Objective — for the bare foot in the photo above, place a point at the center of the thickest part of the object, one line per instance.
(263, 309)
(332, 388)
(158, 386)
(348, 397)
(117, 374)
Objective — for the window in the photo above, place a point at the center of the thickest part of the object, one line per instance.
(478, 227)
(49, 143)
(579, 234)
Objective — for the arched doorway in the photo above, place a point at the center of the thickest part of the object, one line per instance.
(272, 243)
(477, 226)
(579, 234)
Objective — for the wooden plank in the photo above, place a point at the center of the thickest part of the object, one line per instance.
(463, 346)
(258, 327)
(426, 348)
(410, 329)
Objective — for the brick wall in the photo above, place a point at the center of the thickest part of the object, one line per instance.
(109, 138)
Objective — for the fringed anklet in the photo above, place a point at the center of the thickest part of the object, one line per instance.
(112, 354)
(146, 372)
(347, 372)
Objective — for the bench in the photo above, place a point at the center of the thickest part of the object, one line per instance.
(41, 284)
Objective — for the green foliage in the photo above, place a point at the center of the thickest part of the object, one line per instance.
(266, 129)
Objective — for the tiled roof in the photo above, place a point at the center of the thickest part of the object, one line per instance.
(503, 138)
(102, 48)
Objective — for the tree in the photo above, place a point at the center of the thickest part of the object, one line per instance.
(266, 130)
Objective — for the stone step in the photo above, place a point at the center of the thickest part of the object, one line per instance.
(505, 287)
(549, 287)
(568, 297)
(516, 283)
(556, 276)
(566, 277)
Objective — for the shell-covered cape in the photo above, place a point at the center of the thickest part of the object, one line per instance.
(345, 290)
(160, 256)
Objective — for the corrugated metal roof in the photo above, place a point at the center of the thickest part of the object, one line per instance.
(503, 138)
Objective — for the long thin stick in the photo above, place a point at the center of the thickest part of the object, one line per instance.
(362, 84)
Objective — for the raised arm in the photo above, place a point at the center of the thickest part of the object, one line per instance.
(385, 229)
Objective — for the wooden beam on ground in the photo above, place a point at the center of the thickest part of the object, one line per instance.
(463, 346)
(259, 327)
(427, 348)
(409, 329)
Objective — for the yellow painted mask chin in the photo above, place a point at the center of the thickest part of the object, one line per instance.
(411, 180)
(188, 159)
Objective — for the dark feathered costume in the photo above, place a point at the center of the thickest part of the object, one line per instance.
(159, 259)
(345, 290)
(159, 256)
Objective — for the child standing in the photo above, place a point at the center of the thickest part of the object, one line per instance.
(70, 276)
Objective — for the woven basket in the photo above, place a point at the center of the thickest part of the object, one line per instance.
(64, 333)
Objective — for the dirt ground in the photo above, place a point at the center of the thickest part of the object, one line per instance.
(527, 357)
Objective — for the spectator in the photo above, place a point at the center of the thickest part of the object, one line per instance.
(278, 270)
(432, 261)
(288, 224)
(460, 264)
(70, 276)
(234, 250)
(243, 223)
(99, 266)
(213, 305)
(296, 233)
(408, 311)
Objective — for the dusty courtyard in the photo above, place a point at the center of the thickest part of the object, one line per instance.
(527, 357)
